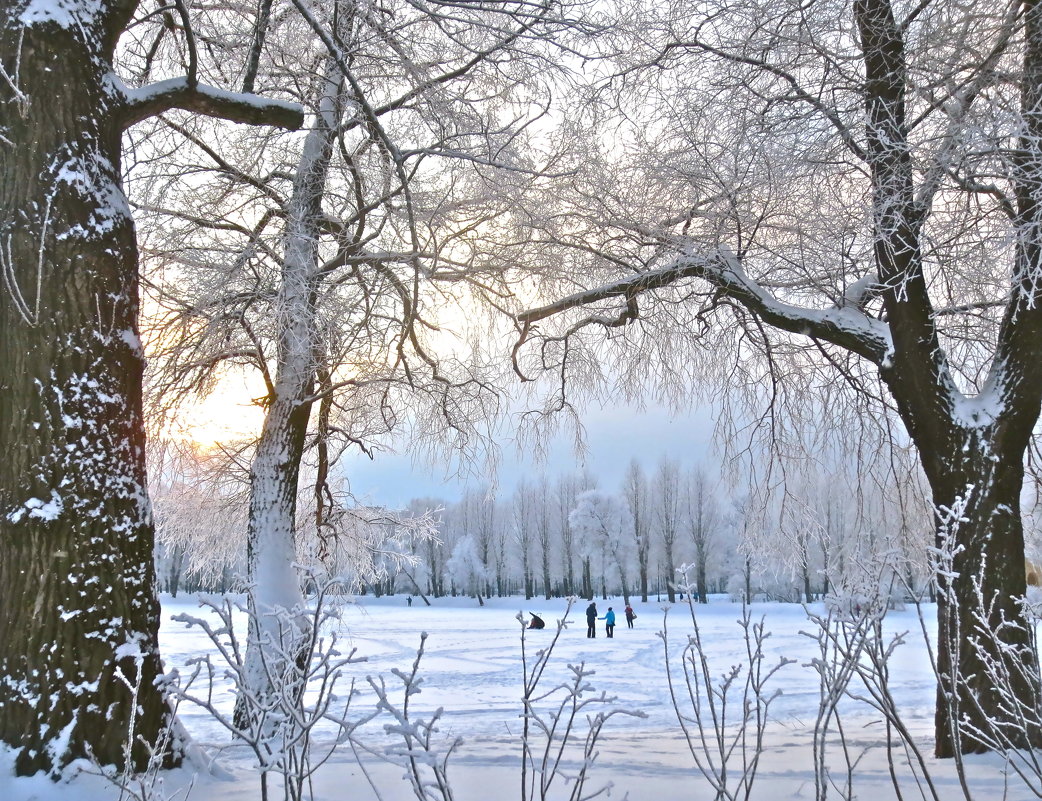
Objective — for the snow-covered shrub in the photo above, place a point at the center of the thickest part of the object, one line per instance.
(417, 749)
(853, 661)
(722, 716)
(149, 784)
(465, 570)
(310, 693)
(278, 726)
(555, 745)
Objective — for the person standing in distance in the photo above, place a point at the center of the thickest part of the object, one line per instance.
(591, 620)
(609, 622)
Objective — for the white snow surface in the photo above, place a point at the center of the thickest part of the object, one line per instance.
(472, 668)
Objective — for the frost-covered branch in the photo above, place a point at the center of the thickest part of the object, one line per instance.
(723, 717)
(179, 93)
(845, 326)
(550, 730)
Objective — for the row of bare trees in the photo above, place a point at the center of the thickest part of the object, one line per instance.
(567, 536)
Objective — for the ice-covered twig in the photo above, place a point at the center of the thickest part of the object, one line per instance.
(551, 719)
(718, 739)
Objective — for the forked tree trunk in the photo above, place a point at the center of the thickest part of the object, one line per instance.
(972, 450)
(671, 569)
(78, 612)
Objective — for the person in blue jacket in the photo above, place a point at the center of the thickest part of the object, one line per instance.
(609, 622)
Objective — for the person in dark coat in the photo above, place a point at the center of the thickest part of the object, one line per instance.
(591, 620)
(630, 615)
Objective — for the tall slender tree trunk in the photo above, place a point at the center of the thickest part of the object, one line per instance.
(78, 611)
(274, 474)
(700, 572)
(671, 569)
(568, 550)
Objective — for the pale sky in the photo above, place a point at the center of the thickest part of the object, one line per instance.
(614, 435)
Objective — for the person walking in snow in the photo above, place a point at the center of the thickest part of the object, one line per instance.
(609, 622)
(630, 615)
(591, 620)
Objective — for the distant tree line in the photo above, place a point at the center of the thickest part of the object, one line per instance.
(663, 529)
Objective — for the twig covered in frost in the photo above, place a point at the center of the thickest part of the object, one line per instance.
(551, 718)
(148, 784)
(835, 671)
(853, 646)
(726, 745)
(426, 766)
(281, 724)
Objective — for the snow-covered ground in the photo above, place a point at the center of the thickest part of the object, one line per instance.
(472, 668)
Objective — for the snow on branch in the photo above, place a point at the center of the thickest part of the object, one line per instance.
(251, 109)
(845, 326)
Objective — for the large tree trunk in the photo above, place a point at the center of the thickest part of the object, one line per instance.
(78, 615)
(983, 639)
(972, 450)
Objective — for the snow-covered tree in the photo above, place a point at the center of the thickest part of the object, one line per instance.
(465, 569)
(342, 274)
(702, 518)
(666, 498)
(525, 512)
(602, 522)
(566, 491)
(200, 508)
(635, 488)
(854, 193)
(544, 534)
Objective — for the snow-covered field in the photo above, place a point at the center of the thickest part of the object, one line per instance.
(472, 668)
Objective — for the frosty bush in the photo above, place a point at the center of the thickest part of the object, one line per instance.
(554, 744)
(280, 725)
(723, 716)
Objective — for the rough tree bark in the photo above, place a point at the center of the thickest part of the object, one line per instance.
(78, 615)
